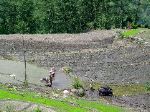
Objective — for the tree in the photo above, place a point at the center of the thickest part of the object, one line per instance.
(70, 16)
(144, 12)
(67, 16)
(26, 22)
(7, 16)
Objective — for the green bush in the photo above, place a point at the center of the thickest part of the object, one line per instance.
(37, 110)
(67, 70)
(134, 26)
(90, 25)
(147, 86)
(77, 84)
(142, 26)
(121, 35)
(139, 25)
(146, 26)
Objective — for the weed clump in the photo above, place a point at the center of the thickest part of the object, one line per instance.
(77, 84)
(147, 86)
(37, 110)
(67, 70)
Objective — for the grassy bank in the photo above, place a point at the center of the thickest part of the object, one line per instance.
(64, 105)
(130, 89)
(124, 89)
(131, 33)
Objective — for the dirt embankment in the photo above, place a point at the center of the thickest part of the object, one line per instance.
(20, 106)
(141, 103)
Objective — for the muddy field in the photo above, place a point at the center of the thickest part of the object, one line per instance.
(98, 56)
(9, 74)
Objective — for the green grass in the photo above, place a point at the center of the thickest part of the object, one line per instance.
(58, 105)
(121, 89)
(128, 89)
(130, 33)
(147, 86)
(98, 106)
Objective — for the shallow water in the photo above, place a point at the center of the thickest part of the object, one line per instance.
(34, 74)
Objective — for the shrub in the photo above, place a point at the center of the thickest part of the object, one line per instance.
(134, 26)
(90, 25)
(77, 84)
(142, 26)
(146, 26)
(120, 34)
(80, 92)
(67, 70)
(139, 25)
(37, 110)
(147, 86)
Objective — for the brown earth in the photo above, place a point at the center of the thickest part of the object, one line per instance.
(82, 38)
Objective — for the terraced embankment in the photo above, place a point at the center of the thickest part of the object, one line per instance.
(95, 55)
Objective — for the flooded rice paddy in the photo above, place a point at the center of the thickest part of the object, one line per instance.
(9, 69)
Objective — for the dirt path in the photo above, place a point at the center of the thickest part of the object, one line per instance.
(8, 105)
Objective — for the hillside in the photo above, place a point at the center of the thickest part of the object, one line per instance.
(100, 57)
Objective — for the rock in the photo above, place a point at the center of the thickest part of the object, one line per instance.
(105, 91)
(56, 95)
(73, 90)
(13, 76)
(80, 92)
(92, 94)
(146, 43)
(66, 93)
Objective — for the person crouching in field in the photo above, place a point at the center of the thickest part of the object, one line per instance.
(52, 73)
(49, 80)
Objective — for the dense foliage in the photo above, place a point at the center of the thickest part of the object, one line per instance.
(71, 16)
